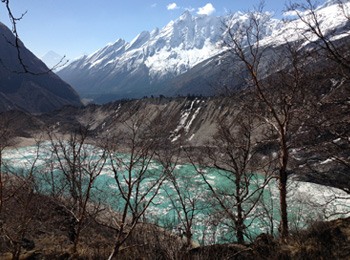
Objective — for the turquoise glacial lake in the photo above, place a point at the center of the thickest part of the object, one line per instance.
(307, 201)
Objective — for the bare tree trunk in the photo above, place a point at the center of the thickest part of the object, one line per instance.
(1, 181)
(188, 238)
(283, 203)
(142, 140)
(80, 168)
(16, 252)
(115, 251)
(283, 188)
(240, 219)
(240, 225)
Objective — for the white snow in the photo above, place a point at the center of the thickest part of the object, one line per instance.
(188, 125)
(191, 137)
(185, 121)
(330, 17)
(166, 52)
(189, 40)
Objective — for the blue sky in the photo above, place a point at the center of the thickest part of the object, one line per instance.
(74, 27)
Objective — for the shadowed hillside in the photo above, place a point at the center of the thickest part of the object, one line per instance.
(27, 91)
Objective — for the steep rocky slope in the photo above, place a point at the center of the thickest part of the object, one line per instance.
(192, 119)
(34, 93)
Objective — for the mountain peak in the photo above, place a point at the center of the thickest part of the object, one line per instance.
(329, 3)
(186, 16)
(151, 60)
(119, 41)
(51, 53)
(155, 32)
(52, 59)
(139, 40)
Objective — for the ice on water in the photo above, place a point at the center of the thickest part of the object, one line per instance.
(306, 201)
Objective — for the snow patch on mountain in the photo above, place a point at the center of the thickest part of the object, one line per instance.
(332, 20)
(166, 53)
(149, 61)
(53, 60)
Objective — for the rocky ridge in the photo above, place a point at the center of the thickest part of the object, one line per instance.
(35, 92)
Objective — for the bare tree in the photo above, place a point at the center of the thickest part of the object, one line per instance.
(320, 36)
(19, 214)
(183, 196)
(232, 157)
(18, 191)
(137, 176)
(187, 201)
(18, 45)
(5, 139)
(75, 167)
(277, 98)
(330, 118)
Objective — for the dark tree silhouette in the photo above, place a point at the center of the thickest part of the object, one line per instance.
(18, 45)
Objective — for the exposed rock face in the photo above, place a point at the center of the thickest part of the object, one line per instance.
(29, 92)
(190, 119)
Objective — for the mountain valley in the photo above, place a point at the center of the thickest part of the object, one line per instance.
(210, 138)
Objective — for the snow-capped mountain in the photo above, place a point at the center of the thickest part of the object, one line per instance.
(333, 22)
(52, 59)
(153, 61)
(144, 65)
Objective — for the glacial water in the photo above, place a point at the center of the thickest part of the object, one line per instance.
(306, 201)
